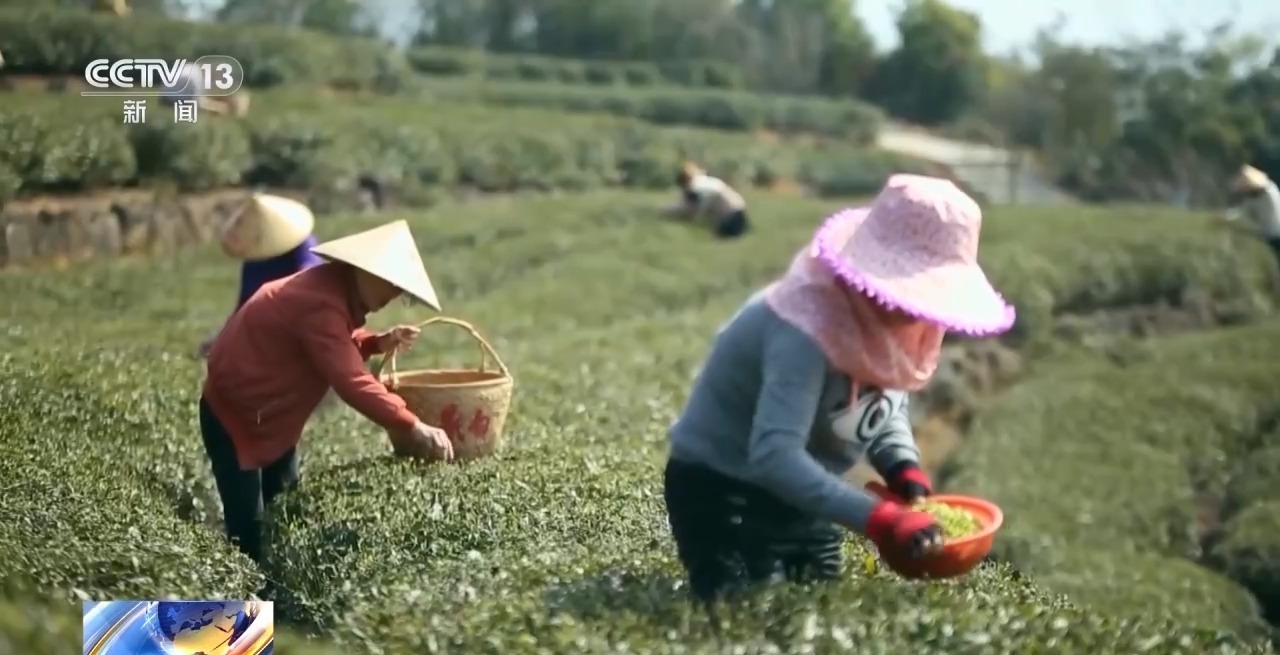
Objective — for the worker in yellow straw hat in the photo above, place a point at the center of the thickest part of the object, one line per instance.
(272, 236)
(286, 347)
(117, 7)
(711, 201)
(1256, 200)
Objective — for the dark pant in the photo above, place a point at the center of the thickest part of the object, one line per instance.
(732, 226)
(730, 534)
(245, 494)
(1274, 244)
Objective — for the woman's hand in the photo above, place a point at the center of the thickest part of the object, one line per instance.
(895, 528)
(399, 338)
(909, 482)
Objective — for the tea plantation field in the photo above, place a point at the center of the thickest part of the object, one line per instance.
(419, 149)
(560, 545)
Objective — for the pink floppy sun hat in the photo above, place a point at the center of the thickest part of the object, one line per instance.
(915, 249)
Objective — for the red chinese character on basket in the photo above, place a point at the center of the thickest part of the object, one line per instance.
(479, 425)
(451, 421)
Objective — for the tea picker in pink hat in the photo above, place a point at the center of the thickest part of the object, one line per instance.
(812, 375)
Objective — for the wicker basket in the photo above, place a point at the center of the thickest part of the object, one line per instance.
(471, 405)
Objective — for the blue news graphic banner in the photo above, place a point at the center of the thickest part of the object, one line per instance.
(178, 627)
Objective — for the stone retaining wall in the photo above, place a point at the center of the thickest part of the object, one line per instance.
(63, 230)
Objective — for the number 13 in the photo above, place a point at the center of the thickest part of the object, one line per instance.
(225, 80)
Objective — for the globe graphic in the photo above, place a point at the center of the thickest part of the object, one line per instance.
(198, 627)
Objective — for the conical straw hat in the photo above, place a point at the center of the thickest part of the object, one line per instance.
(266, 227)
(388, 252)
(1251, 179)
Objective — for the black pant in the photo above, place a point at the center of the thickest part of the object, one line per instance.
(1274, 244)
(245, 494)
(730, 534)
(734, 225)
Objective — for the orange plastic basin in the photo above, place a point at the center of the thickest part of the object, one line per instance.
(958, 556)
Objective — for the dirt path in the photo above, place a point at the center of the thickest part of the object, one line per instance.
(1001, 175)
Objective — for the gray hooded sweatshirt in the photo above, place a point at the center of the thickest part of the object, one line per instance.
(767, 408)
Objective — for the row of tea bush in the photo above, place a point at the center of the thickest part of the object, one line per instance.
(61, 43)
(439, 61)
(48, 145)
(53, 41)
(856, 122)
(560, 544)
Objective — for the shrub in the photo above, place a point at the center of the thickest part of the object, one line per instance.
(64, 150)
(48, 41)
(1257, 479)
(194, 157)
(1250, 551)
(725, 110)
(459, 62)
(1134, 451)
(857, 174)
(603, 311)
(291, 142)
(34, 623)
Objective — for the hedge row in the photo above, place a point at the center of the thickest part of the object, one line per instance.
(1195, 415)
(46, 41)
(52, 41)
(602, 310)
(48, 145)
(727, 110)
(456, 62)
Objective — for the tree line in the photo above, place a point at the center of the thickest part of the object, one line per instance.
(1162, 120)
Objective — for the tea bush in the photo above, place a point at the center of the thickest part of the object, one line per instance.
(49, 145)
(604, 311)
(438, 61)
(51, 42)
(848, 119)
(57, 42)
(41, 624)
(1142, 456)
(60, 41)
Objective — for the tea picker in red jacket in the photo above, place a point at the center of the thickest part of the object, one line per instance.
(291, 342)
(813, 375)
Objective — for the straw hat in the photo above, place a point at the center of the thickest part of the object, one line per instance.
(267, 226)
(388, 252)
(916, 249)
(688, 171)
(1251, 179)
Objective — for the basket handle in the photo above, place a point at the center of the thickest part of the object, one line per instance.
(486, 350)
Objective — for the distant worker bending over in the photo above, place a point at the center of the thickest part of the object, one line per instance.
(710, 201)
(1257, 201)
(117, 7)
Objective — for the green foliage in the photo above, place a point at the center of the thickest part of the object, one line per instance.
(602, 309)
(937, 71)
(846, 174)
(1138, 452)
(726, 110)
(439, 61)
(63, 150)
(37, 624)
(195, 157)
(409, 145)
(47, 41)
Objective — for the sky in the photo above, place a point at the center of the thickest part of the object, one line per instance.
(1011, 24)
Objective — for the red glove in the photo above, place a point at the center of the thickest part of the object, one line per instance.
(895, 528)
(909, 482)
